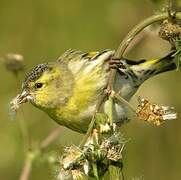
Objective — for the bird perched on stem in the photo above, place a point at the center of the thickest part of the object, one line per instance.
(68, 89)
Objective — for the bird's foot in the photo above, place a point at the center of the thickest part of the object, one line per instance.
(115, 63)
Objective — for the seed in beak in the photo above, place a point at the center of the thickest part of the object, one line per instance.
(22, 98)
(18, 100)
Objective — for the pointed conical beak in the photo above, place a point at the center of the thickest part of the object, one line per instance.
(22, 98)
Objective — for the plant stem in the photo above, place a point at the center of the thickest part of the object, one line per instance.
(27, 168)
(50, 138)
(122, 48)
(110, 110)
(138, 28)
(24, 131)
(94, 166)
(31, 156)
(131, 35)
(91, 125)
(128, 39)
(123, 101)
(118, 54)
(21, 120)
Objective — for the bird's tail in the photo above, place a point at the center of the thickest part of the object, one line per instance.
(145, 69)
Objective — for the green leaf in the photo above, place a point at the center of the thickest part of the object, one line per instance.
(115, 172)
(177, 55)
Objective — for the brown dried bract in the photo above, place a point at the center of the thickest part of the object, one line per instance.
(170, 31)
(154, 113)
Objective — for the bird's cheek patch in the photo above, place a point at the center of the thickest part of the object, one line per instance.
(41, 99)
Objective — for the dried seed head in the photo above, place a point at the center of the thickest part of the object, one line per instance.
(64, 175)
(114, 154)
(14, 106)
(99, 150)
(72, 157)
(77, 174)
(105, 128)
(13, 62)
(16, 102)
(170, 31)
(154, 113)
(103, 123)
(113, 147)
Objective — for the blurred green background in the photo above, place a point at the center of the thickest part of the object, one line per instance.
(41, 30)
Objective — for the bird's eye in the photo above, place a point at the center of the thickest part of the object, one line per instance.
(38, 85)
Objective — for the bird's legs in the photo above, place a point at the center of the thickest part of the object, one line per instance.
(116, 63)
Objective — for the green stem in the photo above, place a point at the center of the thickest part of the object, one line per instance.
(94, 166)
(27, 166)
(138, 28)
(110, 110)
(128, 39)
(119, 53)
(24, 131)
(91, 125)
(53, 135)
(115, 173)
(21, 120)
(131, 35)
(123, 101)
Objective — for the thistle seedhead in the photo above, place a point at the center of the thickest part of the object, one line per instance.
(78, 175)
(72, 158)
(14, 106)
(170, 31)
(113, 147)
(64, 175)
(98, 150)
(13, 62)
(103, 123)
(154, 113)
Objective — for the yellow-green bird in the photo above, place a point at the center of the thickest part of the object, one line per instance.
(68, 89)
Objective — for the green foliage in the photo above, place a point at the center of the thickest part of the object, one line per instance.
(177, 55)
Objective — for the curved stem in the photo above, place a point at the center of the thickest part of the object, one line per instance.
(122, 100)
(131, 35)
(91, 125)
(118, 54)
(138, 28)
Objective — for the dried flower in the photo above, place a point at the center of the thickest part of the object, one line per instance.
(64, 175)
(105, 128)
(113, 147)
(16, 102)
(98, 150)
(103, 123)
(72, 157)
(169, 31)
(14, 106)
(154, 113)
(13, 62)
(78, 175)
